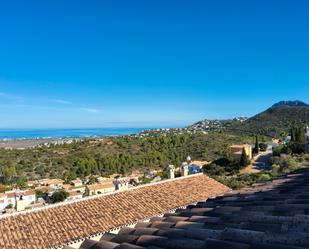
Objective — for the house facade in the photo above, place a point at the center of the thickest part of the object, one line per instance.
(96, 189)
(236, 150)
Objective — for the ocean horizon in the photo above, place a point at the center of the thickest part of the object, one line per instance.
(29, 133)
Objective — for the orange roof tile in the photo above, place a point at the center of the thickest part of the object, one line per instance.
(63, 223)
(100, 186)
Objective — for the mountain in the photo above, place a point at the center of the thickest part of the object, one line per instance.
(272, 122)
(291, 103)
(277, 119)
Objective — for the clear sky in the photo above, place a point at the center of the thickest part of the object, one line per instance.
(148, 63)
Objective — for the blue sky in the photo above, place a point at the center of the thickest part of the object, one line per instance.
(148, 63)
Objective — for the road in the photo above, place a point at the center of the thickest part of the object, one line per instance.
(261, 161)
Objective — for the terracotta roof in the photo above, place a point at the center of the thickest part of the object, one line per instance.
(10, 194)
(100, 186)
(199, 163)
(44, 189)
(51, 181)
(74, 193)
(28, 192)
(66, 222)
(274, 215)
(76, 181)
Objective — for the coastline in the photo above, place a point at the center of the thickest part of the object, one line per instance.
(29, 138)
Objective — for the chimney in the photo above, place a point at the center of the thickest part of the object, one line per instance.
(189, 160)
(171, 171)
(117, 183)
(184, 169)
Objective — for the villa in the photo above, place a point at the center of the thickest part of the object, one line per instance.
(237, 150)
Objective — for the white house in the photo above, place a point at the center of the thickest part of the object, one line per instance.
(19, 199)
(3, 201)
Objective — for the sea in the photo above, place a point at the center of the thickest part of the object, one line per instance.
(66, 133)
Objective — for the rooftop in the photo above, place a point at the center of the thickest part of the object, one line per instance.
(63, 223)
(274, 215)
(100, 186)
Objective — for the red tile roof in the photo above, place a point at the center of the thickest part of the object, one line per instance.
(63, 223)
(273, 215)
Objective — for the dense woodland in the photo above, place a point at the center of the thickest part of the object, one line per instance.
(113, 155)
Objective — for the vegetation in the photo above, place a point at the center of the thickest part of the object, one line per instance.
(274, 122)
(9, 206)
(107, 156)
(280, 165)
(39, 194)
(256, 147)
(263, 147)
(59, 196)
(244, 160)
(296, 145)
(286, 158)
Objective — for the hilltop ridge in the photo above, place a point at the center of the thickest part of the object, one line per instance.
(274, 121)
(290, 103)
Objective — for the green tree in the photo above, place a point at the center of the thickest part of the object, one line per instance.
(8, 171)
(244, 161)
(39, 194)
(256, 148)
(300, 134)
(263, 146)
(70, 175)
(297, 142)
(59, 196)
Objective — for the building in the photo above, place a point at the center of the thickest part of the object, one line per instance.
(197, 167)
(33, 183)
(236, 150)
(100, 179)
(3, 201)
(74, 195)
(171, 171)
(61, 224)
(76, 183)
(53, 183)
(97, 189)
(267, 216)
(121, 183)
(18, 199)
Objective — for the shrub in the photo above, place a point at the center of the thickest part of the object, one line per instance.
(213, 170)
(263, 178)
(59, 196)
(263, 147)
(9, 206)
(275, 168)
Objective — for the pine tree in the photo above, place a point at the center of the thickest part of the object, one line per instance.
(293, 135)
(256, 149)
(300, 134)
(244, 161)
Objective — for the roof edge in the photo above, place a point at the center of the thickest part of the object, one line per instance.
(97, 196)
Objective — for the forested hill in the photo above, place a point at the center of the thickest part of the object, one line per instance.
(113, 155)
(278, 119)
(273, 122)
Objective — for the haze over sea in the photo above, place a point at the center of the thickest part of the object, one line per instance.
(66, 133)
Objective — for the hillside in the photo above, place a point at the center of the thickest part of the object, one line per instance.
(208, 125)
(277, 119)
(113, 155)
(273, 122)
